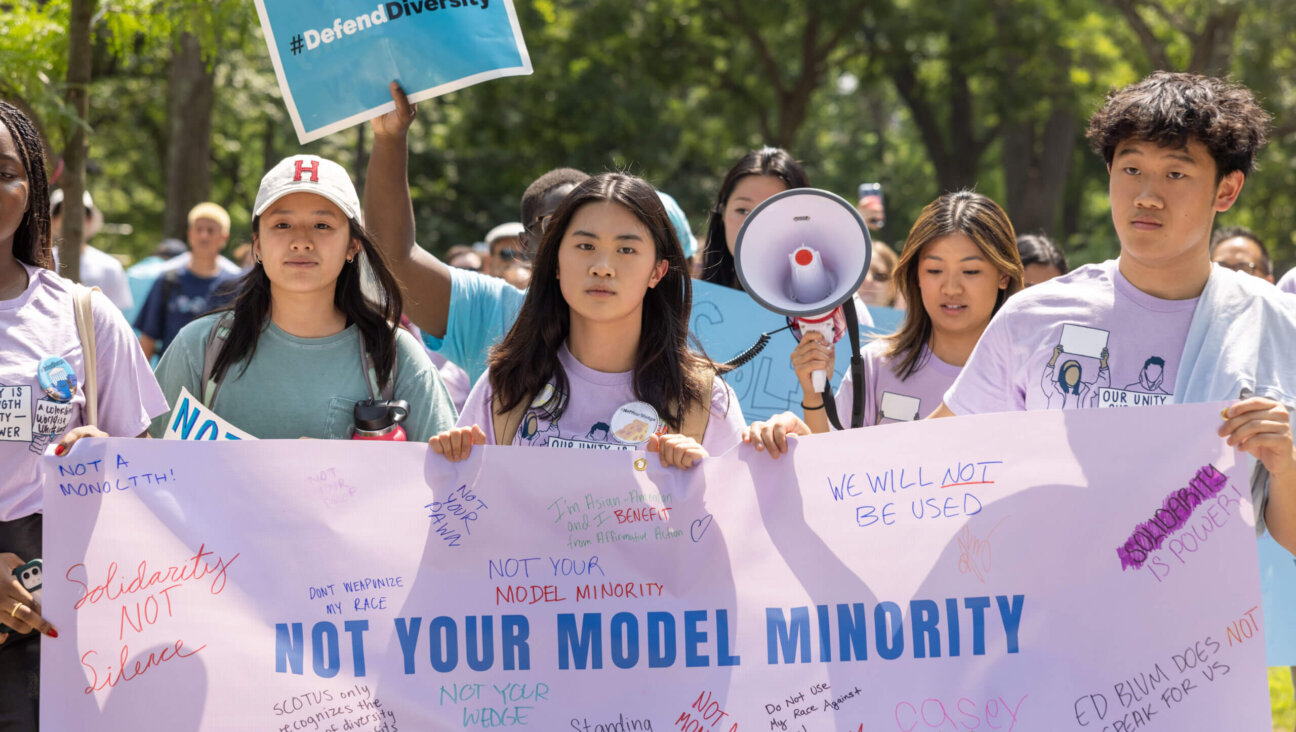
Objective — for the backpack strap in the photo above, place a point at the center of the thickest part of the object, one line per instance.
(506, 423)
(215, 344)
(84, 314)
(695, 419)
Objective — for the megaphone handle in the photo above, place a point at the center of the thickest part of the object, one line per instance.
(819, 377)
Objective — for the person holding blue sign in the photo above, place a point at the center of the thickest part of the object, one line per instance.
(302, 345)
(599, 356)
(960, 264)
(43, 395)
(461, 313)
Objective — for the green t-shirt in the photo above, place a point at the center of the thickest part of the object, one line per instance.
(303, 387)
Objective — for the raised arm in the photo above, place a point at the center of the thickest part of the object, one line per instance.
(389, 216)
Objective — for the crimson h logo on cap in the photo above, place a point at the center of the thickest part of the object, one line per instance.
(302, 168)
(309, 174)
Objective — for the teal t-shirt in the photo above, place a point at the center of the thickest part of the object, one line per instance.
(304, 387)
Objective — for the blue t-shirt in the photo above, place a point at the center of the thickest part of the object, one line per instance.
(482, 310)
(178, 297)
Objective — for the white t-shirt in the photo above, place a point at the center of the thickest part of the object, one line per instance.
(38, 337)
(1086, 339)
(101, 269)
(602, 413)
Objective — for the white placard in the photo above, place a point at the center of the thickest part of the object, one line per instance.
(1083, 341)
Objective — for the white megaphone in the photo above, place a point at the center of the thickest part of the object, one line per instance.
(803, 253)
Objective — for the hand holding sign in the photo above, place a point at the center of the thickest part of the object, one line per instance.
(342, 52)
(395, 123)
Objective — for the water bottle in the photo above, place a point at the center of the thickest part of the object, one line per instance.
(380, 420)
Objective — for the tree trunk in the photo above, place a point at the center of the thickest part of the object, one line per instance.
(81, 13)
(190, 97)
(1036, 169)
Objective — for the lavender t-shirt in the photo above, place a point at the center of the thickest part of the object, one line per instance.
(1086, 339)
(1288, 281)
(36, 329)
(602, 413)
(888, 398)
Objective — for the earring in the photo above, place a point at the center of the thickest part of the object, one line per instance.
(350, 259)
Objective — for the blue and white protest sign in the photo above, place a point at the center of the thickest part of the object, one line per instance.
(727, 322)
(1278, 589)
(1019, 571)
(192, 420)
(335, 58)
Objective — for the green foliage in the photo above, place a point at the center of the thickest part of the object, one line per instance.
(676, 91)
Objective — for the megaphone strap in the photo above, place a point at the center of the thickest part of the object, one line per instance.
(857, 375)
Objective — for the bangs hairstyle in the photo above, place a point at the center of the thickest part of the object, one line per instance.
(1170, 109)
(375, 318)
(667, 373)
(717, 262)
(979, 219)
(31, 242)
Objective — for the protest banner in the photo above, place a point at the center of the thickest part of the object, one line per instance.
(727, 322)
(342, 54)
(1053, 570)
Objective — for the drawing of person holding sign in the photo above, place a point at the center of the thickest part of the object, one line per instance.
(1069, 384)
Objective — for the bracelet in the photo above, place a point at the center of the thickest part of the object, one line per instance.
(812, 409)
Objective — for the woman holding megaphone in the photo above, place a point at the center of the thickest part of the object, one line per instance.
(960, 262)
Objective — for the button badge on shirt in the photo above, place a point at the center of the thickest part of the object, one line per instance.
(57, 379)
(635, 422)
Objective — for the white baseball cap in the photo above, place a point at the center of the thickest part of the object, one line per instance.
(93, 214)
(512, 229)
(309, 174)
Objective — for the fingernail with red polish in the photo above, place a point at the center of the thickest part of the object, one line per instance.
(52, 633)
(58, 450)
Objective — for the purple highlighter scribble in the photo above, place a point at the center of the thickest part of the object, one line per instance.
(1174, 512)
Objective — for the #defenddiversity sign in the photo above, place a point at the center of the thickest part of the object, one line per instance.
(1081, 570)
(335, 58)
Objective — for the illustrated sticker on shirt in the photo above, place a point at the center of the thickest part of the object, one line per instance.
(899, 407)
(15, 413)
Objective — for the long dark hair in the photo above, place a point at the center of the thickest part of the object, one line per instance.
(31, 243)
(667, 373)
(963, 212)
(251, 308)
(717, 262)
